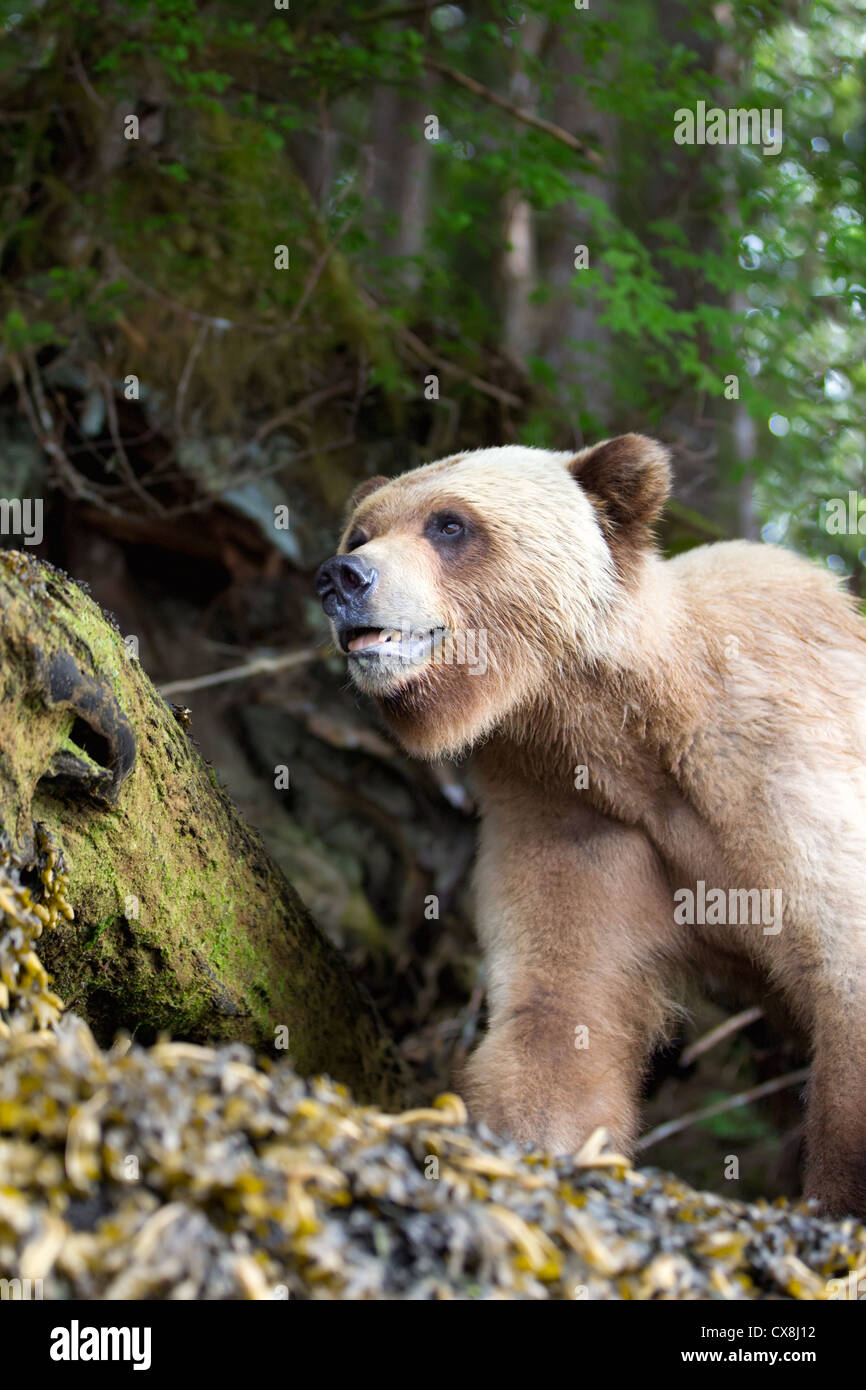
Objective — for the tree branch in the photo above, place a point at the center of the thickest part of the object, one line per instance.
(718, 1034)
(257, 667)
(696, 1117)
(518, 112)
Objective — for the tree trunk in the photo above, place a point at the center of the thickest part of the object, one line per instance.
(571, 339)
(519, 264)
(182, 921)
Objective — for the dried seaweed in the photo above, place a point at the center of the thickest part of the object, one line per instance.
(187, 1172)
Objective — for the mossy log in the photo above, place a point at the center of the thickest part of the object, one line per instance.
(182, 923)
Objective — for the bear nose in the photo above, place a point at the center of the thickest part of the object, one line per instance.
(344, 579)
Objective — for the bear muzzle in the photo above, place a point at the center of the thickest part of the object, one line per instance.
(344, 584)
(381, 646)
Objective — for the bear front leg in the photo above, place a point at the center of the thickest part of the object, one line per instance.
(836, 1104)
(548, 1080)
(576, 920)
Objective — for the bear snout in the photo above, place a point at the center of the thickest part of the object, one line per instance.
(344, 583)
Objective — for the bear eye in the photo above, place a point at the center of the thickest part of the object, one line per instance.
(357, 538)
(445, 524)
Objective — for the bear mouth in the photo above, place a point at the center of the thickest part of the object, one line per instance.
(399, 644)
(358, 639)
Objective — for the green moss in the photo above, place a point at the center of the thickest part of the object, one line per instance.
(96, 931)
(218, 944)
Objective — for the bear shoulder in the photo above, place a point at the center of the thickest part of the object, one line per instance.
(766, 585)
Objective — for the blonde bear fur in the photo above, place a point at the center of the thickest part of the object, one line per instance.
(718, 703)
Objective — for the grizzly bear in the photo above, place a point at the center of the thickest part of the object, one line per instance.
(670, 760)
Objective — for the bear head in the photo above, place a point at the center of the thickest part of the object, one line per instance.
(463, 588)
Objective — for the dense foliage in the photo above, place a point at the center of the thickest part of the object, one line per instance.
(306, 127)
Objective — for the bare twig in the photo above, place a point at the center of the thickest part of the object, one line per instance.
(518, 112)
(315, 274)
(420, 348)
(719, 1033)
(696, 1117)
(284, 417)
(124, 465)
(218, 322)
(254, 475)
(85, 80)
(186, 375)
(387, 13)
(221, 324)
(91, 451)
(44, 428)
(24, 399)
(693, 521)
(261, 665)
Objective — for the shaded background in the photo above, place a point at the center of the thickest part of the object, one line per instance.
(169, 377)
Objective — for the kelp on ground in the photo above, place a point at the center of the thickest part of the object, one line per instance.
(187, 1172)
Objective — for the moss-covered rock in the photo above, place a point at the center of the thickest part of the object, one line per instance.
(182, 922)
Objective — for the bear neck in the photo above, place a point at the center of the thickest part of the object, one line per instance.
(629, 706)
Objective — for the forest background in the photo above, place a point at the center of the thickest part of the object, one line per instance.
(252, 253)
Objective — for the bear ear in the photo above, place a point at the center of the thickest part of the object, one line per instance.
(630, 477)
(364, 490)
